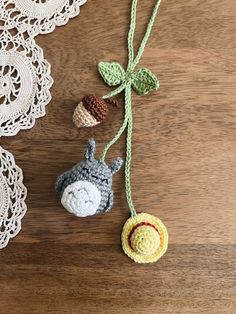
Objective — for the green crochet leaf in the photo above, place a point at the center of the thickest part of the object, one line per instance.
(111, 72)
(144, 81)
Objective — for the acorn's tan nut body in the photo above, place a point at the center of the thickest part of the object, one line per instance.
(91, 111)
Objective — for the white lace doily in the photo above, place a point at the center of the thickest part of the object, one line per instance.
(25, 81)
(39, 16)
(12, 197)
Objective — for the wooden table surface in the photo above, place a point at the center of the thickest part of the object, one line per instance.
(183, 171)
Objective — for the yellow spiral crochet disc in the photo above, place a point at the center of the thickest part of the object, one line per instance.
(144, 238)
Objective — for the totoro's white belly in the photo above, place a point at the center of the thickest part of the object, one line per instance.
(81, 198)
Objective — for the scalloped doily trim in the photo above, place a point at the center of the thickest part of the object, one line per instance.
(12, 197)
(37, 16)
(25, 81)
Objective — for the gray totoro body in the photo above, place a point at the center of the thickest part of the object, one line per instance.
(86, 189)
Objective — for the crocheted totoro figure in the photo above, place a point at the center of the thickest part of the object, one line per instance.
(86, 189)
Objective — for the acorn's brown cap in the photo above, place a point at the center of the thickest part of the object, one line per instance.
(96, 106)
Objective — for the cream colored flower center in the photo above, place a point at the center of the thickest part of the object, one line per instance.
(145, 240)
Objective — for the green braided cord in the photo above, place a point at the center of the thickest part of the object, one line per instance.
(147, 34)
(114, 140)
(124, 124)
(127, 85)
(131, 34)
(129, 154)
(115, 92)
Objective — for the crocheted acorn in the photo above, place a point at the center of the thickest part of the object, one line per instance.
(86, 189)
(91, 111)
(144, 238)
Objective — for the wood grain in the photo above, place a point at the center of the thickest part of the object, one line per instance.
(183, 171)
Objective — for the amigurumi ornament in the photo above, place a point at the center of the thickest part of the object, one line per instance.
(91, 111)
(86, 189)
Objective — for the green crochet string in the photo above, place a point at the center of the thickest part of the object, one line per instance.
(126, 85)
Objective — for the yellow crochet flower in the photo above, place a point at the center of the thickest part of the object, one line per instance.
(144, 238)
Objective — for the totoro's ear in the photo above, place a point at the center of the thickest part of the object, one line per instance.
(116, 165)
(90, 151)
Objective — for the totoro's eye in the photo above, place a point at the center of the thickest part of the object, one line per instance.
(105, 181)
(86, 170)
